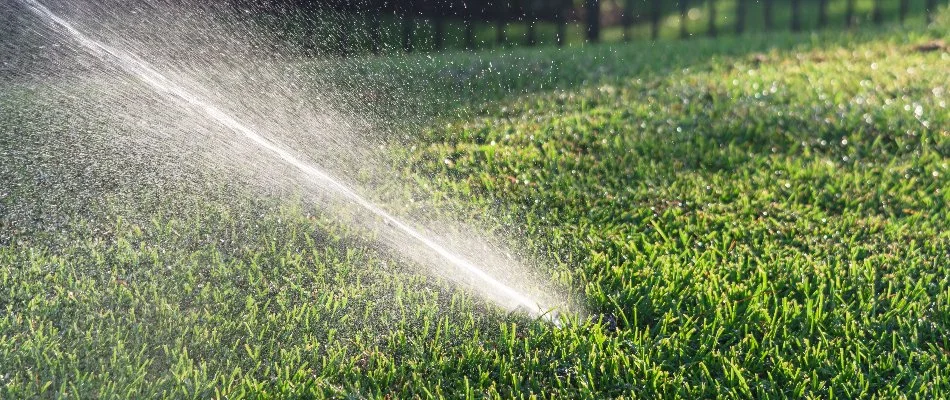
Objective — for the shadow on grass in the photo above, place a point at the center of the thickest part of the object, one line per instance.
(413, 89)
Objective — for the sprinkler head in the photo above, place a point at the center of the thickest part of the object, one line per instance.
(550, 316)
(553, 317)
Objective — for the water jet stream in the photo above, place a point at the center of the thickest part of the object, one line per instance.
(142, 70)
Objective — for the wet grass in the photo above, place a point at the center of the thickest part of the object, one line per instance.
(761, 224)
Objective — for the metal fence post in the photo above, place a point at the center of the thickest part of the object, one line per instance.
(502, 24)
(439, 29)
(593, 20)
(468, 16)
(903, 11)
(627, 20)
(408, 26)
(655, 10)
(740, 16)
(684, 9)
(849, 14)
(531, 21)
(876, 14)
(561, 23)
(796, 16)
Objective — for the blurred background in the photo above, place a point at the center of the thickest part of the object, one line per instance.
(350, 27)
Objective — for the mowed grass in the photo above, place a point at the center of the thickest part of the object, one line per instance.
(763, 223)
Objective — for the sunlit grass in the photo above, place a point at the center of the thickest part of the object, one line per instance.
(762, 223)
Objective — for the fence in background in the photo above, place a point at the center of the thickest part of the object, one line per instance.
(445, 18)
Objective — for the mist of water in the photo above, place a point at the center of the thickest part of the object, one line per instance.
(412, 242)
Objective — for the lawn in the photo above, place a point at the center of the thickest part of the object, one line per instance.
(746, 217)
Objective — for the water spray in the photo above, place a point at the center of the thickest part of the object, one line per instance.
(143, 71)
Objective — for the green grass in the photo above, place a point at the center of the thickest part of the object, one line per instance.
(749, 218)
